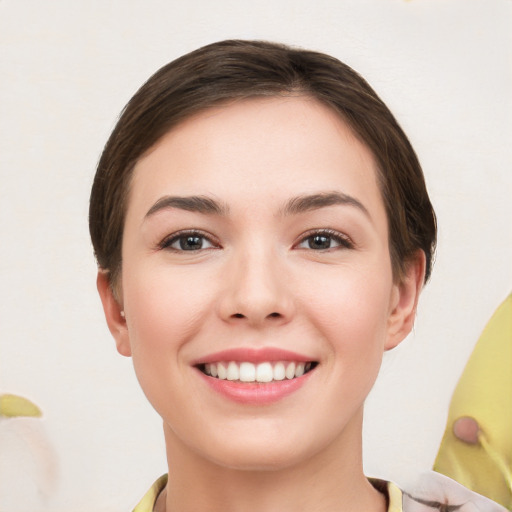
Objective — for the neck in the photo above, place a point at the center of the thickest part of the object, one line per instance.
(330, 480)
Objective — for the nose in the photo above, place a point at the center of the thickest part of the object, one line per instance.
(256, 290)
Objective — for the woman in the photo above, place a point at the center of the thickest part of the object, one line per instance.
(263, 231)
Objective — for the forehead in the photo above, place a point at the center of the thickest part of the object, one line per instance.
(264, 148)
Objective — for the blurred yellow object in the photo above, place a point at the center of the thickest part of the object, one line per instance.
(476, 449)
(12, 406)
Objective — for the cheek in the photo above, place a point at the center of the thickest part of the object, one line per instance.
(350, 306)
(163, 310)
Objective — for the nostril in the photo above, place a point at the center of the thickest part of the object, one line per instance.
(269, 316)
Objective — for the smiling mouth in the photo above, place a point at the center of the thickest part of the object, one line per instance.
(264, 372)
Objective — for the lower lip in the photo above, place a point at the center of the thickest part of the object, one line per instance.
(254, 392)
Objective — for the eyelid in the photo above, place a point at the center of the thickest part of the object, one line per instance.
(344, 241)
(167, 241)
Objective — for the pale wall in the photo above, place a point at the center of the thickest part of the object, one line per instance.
(68, 67)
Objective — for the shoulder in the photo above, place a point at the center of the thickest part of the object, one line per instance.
(147, 503)
(434, 491)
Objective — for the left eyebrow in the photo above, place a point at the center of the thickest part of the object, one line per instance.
(199, 204)
(305, 203)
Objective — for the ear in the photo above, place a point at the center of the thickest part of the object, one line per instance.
(404, 301)
(114, 314)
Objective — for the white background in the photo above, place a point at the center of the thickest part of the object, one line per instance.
(66, 70)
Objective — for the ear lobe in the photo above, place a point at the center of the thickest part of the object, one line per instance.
(113, 314)
(405, 300)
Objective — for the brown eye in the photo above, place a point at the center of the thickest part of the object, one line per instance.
(324, 240)
(187, 242)
(319, 242)
(190, 243)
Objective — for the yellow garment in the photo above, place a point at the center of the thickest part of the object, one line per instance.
(432, 493)
(393, 492)
(147, 503)
(484, 393)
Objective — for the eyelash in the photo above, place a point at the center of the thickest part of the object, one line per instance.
(344, 241)
(331, 235)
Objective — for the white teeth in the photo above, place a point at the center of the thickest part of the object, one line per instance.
(247, 372)
(279, 371)
(262, 372)
(233, 373)
(290, 371)
(221, 371)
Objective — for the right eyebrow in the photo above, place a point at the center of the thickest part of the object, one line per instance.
(199, 204)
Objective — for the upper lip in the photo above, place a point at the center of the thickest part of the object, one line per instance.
(260, 355)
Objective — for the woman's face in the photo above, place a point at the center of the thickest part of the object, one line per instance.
(256, 249)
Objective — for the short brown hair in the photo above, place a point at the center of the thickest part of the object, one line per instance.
(230, 70)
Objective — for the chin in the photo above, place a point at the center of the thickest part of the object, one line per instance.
(259, 459)
(270, 451)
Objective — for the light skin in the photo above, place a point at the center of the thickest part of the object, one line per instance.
(260, 225)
